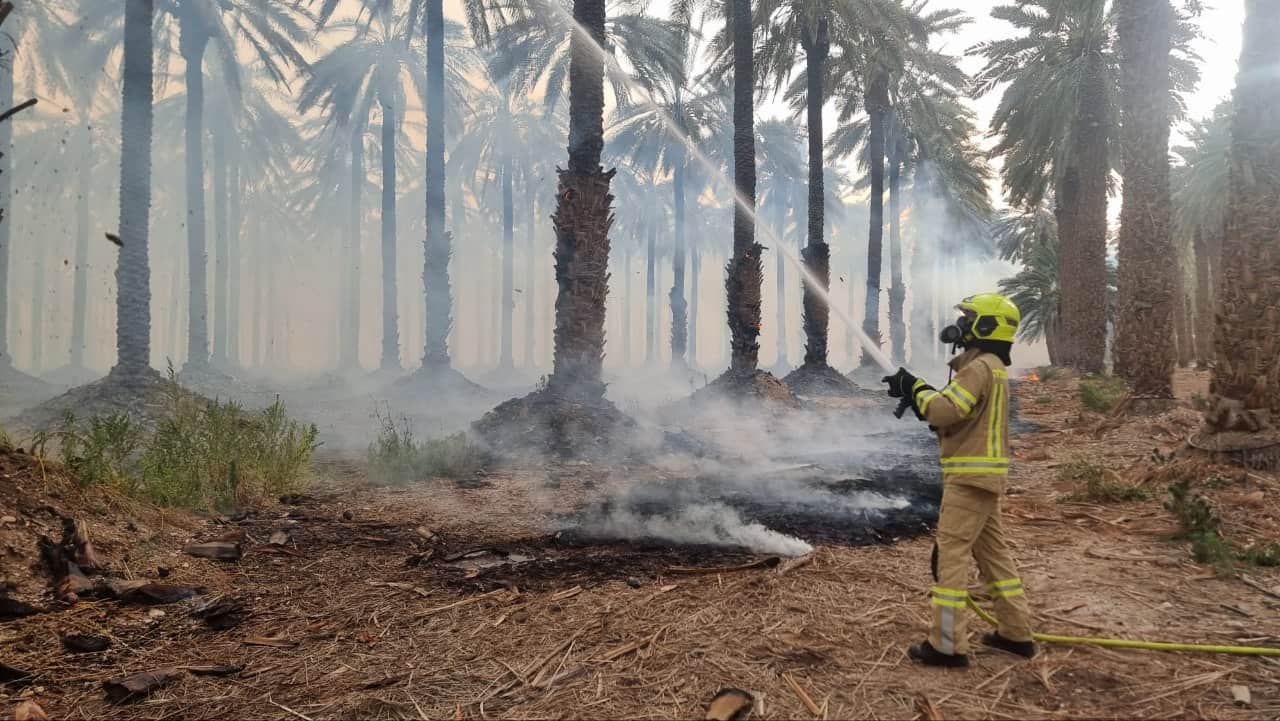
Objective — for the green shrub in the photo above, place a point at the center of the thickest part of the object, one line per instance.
(1198, 524)
(1048, 373)
(1044, 399)
(1266, 554)
(397, 456)
(1199, 402)
(198, 455)
(1101, 394)
(1098, 488)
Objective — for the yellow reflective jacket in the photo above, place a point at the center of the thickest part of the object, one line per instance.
(972, 417)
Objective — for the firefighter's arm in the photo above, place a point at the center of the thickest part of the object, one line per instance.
(956, 401)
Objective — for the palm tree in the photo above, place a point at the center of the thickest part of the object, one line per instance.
(781, 160)
(503, 145)
(656, 135)
(273, 31)
(133, 273)
(1244, 374)
(1031, 239)
(1143, 353)
(745, 274)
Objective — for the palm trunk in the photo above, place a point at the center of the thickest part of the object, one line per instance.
(1149, 301)
(259, 307)
(437, 251)
(38, 327)
(897, 292)
(390, 295)
(817, 255)
(220, 259)
(133, 274)
(627, 299)
(695, 268)
(651, 294)
(80, 302)
(175, 306)
(235, 222)
(1182, 321)
(505, 360)
(1084, 247)
(582, 218)
(1248, 295)
(193, 42)
(744, 274)
(349, 350)
(531, 271)
(923, 336)
(780, 269)
(679, 308)
(6, 206)
(1204, 301)
(877, 102)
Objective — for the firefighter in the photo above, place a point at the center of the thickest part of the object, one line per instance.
(971, 417)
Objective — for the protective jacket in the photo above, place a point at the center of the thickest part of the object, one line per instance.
(971, 415)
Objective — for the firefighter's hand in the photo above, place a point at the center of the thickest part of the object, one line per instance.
(900, 383)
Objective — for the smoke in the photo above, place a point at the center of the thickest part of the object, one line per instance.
(704, 524)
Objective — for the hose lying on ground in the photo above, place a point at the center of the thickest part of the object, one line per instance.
(1127, 643)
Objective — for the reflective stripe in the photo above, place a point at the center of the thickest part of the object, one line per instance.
(950, 594)
(947, 631)
(975, 462)
(1006, 583)
(999, 409)
(993, 411)
(917, 385)
(975, 471)
(959, 402)
(1006, 588)
(924, 399)
(955, 386)
(1007, 593)
(1000, 373)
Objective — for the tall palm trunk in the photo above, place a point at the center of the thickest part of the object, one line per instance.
(1182, 322)
(6, 206)
(220, 259)
(80, 302)
(259, 307)
(176, 306)
(1249, 292)
(1149, 301)
(133, 274)
(1082, 261)
(679, 308)
(780, 271)
(235, 221)
(651, 294)
(897, 292)
(530, 277)
(192, 41)
(505, 359)
(390, 295)
(349, 334)
(437, 251)
(627, 299)
(582, 218)
(1204, 301)
(817, 254)
(745, 274)
(877, 103)
(695, 268)
(38, 327)
(923, 335)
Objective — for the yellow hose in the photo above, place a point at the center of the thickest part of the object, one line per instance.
(1148, 645)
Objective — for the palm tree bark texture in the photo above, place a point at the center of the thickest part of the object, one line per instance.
(1144, 347)
(390, 312)
(1083, 217)
(745, 272)
(679, 308)
(193, 40)
(583, 217)
(6, 205)
(877, 103)
(1246, 341)
(435, 273)
(817, 254)
(133, 274)
(897, 292)
(1204, 300)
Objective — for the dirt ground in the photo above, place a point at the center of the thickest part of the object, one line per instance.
(443, 602)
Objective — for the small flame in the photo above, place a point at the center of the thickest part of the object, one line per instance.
(1032, 376)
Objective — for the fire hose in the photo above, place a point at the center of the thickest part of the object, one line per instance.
(1128, 643)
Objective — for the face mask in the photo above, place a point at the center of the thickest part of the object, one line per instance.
(957, 333)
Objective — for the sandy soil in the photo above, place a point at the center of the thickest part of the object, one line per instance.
(377, 610)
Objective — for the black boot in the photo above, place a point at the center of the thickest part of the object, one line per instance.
(925, 653)
(1025, 649)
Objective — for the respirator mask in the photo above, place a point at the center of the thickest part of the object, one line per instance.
(956, 333)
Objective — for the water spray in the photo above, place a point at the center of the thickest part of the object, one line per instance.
(743, 203)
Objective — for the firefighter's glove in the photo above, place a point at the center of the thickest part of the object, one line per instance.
(900, 384)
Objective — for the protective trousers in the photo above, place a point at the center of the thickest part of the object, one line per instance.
(969, 523)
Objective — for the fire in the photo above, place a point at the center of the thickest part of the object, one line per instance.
(1032, 376)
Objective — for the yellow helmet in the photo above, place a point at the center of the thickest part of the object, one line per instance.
(995, 316)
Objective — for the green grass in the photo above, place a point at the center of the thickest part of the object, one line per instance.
(198, 455)
(1198, 524)
(1098, 487)
(1048, 373)
(396, 456)
(1101, 394)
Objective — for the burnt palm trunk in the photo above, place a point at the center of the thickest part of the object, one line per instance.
(1246, 342)
(1149, 297)
(817, 254)
(80, 301)
(220, 258)
(877, 103)
(505, 360)
(6, 206)
(897, 292)
(1082, 263)
(745, 273)
(349, 343)
(679, 309)
(1204, 301)
(583, 217)
(437, 251)
(133, 273)
(780, 270)
(193, 40)
(390, 310)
